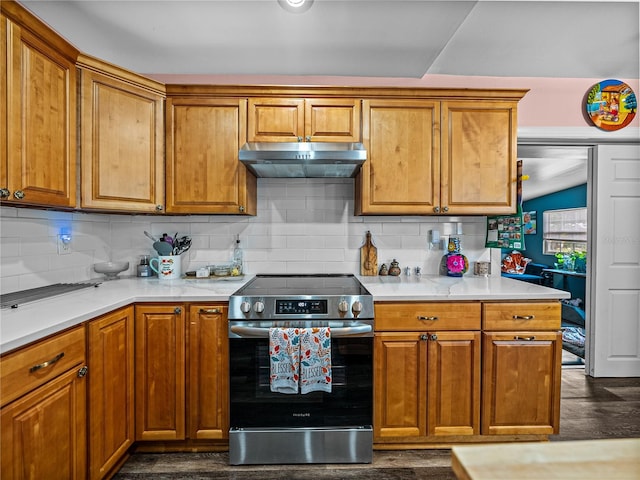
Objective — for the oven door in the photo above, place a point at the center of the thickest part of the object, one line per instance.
(253, 405)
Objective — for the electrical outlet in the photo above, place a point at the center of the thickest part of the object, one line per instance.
(64, 244)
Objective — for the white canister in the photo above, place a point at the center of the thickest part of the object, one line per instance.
(167, 267)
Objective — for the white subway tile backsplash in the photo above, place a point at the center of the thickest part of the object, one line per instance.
(302, 226)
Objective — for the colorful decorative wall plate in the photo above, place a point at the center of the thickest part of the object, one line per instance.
(611, 104)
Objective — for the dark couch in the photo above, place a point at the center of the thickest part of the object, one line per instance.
(532, 274)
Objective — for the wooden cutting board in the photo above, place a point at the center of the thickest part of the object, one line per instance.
(368, 257)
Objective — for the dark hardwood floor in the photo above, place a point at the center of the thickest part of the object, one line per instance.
(590, 408)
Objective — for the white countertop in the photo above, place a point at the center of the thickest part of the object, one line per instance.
(36, 320)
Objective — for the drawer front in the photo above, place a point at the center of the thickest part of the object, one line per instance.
(521, 316)
(413, 316)
(30, 367)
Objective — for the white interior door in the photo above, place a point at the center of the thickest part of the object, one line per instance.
(614, 274)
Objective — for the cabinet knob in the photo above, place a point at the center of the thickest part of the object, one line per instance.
(436, 209)
(433, 337)
(424, 336)
(83, 371)
(159, 208)
(526, 339)
(177, 310)
(299, 139)
(4, 193)
(241, 208)
(307, 138)
(445, 209)
(19, 194)
(431, 319)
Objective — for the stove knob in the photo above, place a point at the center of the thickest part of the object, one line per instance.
(343, 306)
(258, 307)
(356, 307)
(245, 307)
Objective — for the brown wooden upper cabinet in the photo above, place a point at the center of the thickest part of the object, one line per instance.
(430, 157)
(303, 120)
(204, 175)
(38, 84)
(122, 135)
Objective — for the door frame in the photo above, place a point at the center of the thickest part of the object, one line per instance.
(591, 138)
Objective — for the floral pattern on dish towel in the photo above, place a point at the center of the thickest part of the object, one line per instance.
(284, 354)
(315, 360)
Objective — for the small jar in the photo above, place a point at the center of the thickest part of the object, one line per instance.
(143, 268)
(394, 269)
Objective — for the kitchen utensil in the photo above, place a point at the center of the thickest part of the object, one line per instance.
(368, 257)
(150, 236)
(168, 267)
(110, 269)
(163, 248)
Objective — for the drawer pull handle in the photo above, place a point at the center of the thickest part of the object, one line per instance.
(35, 368)
(524, 317)
(527, 339)
(420, 317)
(210, 310)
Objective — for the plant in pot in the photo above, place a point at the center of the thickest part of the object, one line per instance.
(579, 261)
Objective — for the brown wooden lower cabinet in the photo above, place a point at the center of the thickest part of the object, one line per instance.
(426, 383)
(160, 371)
(181, 372)
(43, 432)
(521, 382)
(208, 372)
(453, 396)
(110, 342)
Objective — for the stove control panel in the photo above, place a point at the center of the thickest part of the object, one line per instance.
(301, 307)
(244, 308)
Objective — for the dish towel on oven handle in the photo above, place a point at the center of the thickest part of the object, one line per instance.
(315, 360)
(284, 355)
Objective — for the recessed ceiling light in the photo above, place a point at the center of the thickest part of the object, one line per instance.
(296, 6)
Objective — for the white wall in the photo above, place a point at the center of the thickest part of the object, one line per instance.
(302, 226)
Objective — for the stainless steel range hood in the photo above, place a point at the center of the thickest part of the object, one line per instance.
(303, 159)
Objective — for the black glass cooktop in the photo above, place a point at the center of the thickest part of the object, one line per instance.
(289, 285)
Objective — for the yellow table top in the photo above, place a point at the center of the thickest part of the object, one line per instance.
(617, 459)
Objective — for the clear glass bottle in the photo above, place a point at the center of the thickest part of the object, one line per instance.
(238, 259)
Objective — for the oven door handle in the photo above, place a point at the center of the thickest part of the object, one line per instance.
(260, 332)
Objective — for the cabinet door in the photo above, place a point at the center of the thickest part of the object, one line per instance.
(521, 382)
(43, 434)
(122, 130)
(402, 171)
(208, 372)
(275, 120)
(332, 120)
(160, 372)
(479, 156)
(454, 383)
(400, 386)
(204, 174)
(41, 119)
(111, 390)
(4, 99)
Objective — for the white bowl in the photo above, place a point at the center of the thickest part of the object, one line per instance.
(111, 269)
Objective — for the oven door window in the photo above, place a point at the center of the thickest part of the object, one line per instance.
(350, 402)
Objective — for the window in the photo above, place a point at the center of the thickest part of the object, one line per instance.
(564, 230)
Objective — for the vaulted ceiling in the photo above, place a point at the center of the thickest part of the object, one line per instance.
(370, 38)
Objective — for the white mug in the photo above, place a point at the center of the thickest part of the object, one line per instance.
(167, 267)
